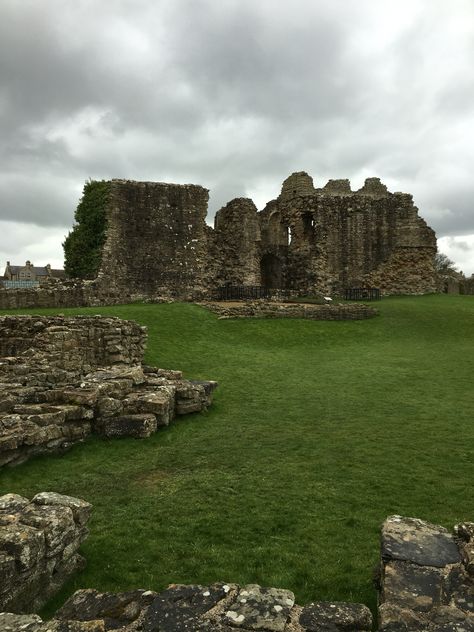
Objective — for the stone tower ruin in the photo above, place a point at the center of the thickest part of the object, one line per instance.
(311, 240)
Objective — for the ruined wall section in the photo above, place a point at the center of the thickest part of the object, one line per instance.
(234, 249)
(425, 583)
(156, 239)
(338, 238)
(80, 343)
(62, 379)
(39, 543)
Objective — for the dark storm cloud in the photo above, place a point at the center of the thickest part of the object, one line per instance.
(235, 95)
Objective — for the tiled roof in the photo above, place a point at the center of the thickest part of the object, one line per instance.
(59, 274)
(39, 271)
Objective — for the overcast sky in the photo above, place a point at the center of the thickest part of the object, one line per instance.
(234, 95)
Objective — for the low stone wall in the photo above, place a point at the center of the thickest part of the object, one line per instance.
(76, 343)
(75, 293)
(271, 309)
(426, 584)
(72, 377)
(39, 542)
(427, 576)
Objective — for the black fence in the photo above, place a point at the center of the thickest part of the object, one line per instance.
(362, 294)
(241, 292)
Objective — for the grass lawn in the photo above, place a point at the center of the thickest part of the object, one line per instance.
(318, 432)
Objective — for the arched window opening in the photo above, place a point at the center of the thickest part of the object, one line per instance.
(278, 233)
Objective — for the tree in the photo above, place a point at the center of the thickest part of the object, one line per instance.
(83, 245)
(445, 266)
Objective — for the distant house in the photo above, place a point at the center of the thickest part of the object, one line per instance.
(29, 275)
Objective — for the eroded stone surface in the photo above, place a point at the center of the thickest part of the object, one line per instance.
(257, 608)
(426, 577)
(218, 607)
(324, 615)
(419, 542)
(39, 543)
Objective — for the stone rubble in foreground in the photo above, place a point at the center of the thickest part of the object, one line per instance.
(426, 583)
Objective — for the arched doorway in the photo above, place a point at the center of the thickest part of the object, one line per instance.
(271, 271)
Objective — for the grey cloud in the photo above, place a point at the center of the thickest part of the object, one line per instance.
(37, 201)
(233, 95)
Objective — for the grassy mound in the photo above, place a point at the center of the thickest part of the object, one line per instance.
(319, 431)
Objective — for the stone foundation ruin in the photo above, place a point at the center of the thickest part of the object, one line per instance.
(62, 379)
(426, 582)
(308, 311)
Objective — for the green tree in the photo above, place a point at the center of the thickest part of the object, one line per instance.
(445, 267)
(83, 244)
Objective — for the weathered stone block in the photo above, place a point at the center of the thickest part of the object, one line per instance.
(425, 578)
(157, 402)
(81, 510)
(20, 622)
(109, 406)
(38, 547)
(418, 541)
(138, 426)
(113, 608)
(257, 608)
(12, 502)
(343, 616)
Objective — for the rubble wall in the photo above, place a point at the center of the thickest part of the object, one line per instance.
(312, 240)
(76, 343)
(155, 238)
(268, 309)
(426, 583)
(426, 576)
(39, 543)
(337, 238)
(62, 379)
(233, 245)
(58, 294)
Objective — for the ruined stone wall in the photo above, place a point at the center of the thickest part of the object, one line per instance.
(234, 251)
(312, 240)
(78, 343)
(39, 543)
(155, 238)
(62, 379)
(268, 309)
(426, 576)
(309, 239)
(337, 238)
(426, 583)
(323, 240)
(58, 294)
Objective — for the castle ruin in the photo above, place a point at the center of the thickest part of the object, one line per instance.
(309, 240)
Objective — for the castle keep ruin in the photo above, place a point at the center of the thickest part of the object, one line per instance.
(310, 240)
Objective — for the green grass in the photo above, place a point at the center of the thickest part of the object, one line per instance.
(318, 432)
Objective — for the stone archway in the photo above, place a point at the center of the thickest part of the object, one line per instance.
(271, 271)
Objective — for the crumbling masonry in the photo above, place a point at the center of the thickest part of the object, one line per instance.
(309, 240)
(62, 379)
(425, 584)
